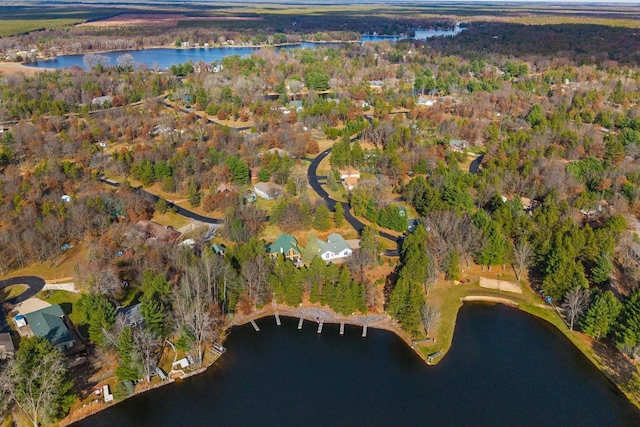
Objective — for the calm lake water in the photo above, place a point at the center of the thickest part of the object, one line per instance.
(504, 368)
(165, 58)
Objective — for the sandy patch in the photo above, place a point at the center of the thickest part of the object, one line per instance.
(501, 285)
(15, 68)
(489, 299)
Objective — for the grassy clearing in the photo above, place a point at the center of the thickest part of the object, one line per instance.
(61, 267)
(170, 218)
(12, 291)
(67, 300)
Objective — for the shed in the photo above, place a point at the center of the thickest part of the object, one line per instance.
(6, 346)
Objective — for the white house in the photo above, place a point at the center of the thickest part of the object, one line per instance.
(267, 190)
(101, 100)
(349, 178)
(425, 101)
(335, 248)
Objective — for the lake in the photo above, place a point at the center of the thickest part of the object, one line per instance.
(164, 58)
(504, 368)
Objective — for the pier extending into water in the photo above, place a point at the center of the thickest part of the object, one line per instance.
(255, 325)
(341, 328)
(320, 324)
(364, 331)
(300, 323)
(278, 320)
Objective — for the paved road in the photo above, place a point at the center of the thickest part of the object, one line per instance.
(312, 176)
(35, 285)
(179, 210)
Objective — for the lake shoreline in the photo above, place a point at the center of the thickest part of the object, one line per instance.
(313, 314)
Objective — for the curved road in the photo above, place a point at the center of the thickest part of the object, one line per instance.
(312, 176)
(35, 285)
(179, 210)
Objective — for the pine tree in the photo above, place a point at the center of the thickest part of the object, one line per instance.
(193, 194)
(129, 367)
(601, 316)
(338, 216)
(452, 270)
(322, 218)
(628, 336)
(312, 248)
(601, 272)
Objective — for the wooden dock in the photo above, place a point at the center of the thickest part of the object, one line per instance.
(364, 331)
(320, 327)
(300, 323)
(341, 328)
(278, 319)
(255, 325)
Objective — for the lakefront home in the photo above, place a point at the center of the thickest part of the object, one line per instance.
(334, 248)
(51, 323)
(287, 245)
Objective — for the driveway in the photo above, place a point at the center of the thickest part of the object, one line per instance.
(179, 210)
(312, 176)
(35, 285)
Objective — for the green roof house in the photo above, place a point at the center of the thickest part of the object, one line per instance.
(49, 323)
(286, 245)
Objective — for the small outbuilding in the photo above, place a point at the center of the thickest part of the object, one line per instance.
(6, 346)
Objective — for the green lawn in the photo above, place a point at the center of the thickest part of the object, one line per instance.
(67, 300)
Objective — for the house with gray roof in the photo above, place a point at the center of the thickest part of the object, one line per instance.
(334, 248)
(131, 316)
(50, 323)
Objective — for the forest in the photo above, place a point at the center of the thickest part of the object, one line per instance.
(552, 127)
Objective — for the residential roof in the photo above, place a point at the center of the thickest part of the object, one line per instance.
(458, 143)
(132, 315)
(284, 244)
(335, 243)
(218, 248)
(6, 344)
(48, 323)
(271, 190)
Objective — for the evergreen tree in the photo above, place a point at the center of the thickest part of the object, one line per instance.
(322, 218)
(405, 303)
(129, 367)
(312, 248)
(452, 266)
(338, 216)
(193, 194)
(601, 316)
(628, 335)
(99, 314)
(601, 272)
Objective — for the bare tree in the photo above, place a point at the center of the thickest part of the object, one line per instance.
(94, 60)
(522, 252)
(358, 263)
(575, 303)
(36, 380)
(194, 312)
(429, 315)
(256, 270)
(146, 343)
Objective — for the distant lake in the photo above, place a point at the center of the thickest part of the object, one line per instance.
(165, 57)
(504, 368)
